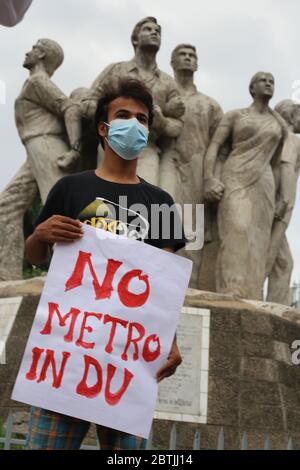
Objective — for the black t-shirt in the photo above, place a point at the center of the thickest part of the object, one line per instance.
(141, 211)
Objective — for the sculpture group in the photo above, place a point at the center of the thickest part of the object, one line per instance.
(242, 165)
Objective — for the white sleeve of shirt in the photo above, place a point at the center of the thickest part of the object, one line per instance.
(13, 11)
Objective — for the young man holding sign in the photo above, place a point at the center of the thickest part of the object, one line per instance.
(113, 198)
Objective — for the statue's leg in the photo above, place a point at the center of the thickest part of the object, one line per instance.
(16, 198)
(280, 276)
(148, 165)
(43, 153)
(277, 236)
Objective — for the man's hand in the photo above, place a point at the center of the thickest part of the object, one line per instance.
(59, 228)
(213, 190)
(68, 160)
(173, 361)
(175, 107)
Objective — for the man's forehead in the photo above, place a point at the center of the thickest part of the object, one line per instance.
(128, 104)
(266, 75)
(151, 23)
(187, 49)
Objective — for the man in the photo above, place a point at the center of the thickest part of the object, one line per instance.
(182, 166)
(43, 115)
(280, 260)
(122, 120)
(146, 40)
(13, 11)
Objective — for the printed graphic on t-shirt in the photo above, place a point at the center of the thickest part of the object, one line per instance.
(107, 215)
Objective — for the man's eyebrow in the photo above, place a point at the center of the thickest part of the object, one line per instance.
(122, 110)
(143, 115)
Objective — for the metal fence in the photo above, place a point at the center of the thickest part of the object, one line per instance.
(7, 441)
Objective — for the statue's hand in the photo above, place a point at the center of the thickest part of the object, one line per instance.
(280, 209)
(175, 107)
(68, 160)
(160, 120)
(213, 190)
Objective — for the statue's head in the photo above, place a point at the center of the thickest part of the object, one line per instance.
(184, 57)
(262, 85)
(290, 112)
(146, 34)
(46, 51)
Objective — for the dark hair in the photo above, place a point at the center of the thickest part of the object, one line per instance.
(127, 88)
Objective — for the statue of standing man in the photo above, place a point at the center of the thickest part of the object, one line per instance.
(43, 116)
(168, 106)
(182, 162)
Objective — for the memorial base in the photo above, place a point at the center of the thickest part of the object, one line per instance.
(253, 385)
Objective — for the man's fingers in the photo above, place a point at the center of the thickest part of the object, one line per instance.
(70, 228)
(169, 368)
(65, 234)
(68, 220)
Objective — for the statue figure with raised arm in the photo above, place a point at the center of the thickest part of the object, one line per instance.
(49, 126)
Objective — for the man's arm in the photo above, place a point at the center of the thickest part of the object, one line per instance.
(174, 358)
(57, 228)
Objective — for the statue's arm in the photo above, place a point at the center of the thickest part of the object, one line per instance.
(287, 183)
(213, 188)
(166, 126)
(220, 136)
(89, 102)
(50, 97)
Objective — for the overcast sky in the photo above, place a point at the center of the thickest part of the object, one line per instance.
(234, 39)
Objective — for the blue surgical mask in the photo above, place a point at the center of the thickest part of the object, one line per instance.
(127, 137)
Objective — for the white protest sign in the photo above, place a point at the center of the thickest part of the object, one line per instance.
(104, 326)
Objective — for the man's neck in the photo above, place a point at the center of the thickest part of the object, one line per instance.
(117, 170)
(39, 67)
(185, 80)
(146, 59)
(261, 105)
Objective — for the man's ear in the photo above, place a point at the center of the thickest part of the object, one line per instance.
(42, 55)
(102, 129)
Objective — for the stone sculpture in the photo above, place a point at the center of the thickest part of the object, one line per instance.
(43, 116)
(280, 260)
(246, 191)
(169, 107)
(182, 165)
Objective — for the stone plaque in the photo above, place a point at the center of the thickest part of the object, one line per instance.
(183, 397)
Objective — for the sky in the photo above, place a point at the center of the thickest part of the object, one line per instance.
(234, 40)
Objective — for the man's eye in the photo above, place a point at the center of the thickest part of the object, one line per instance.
(143, 120)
